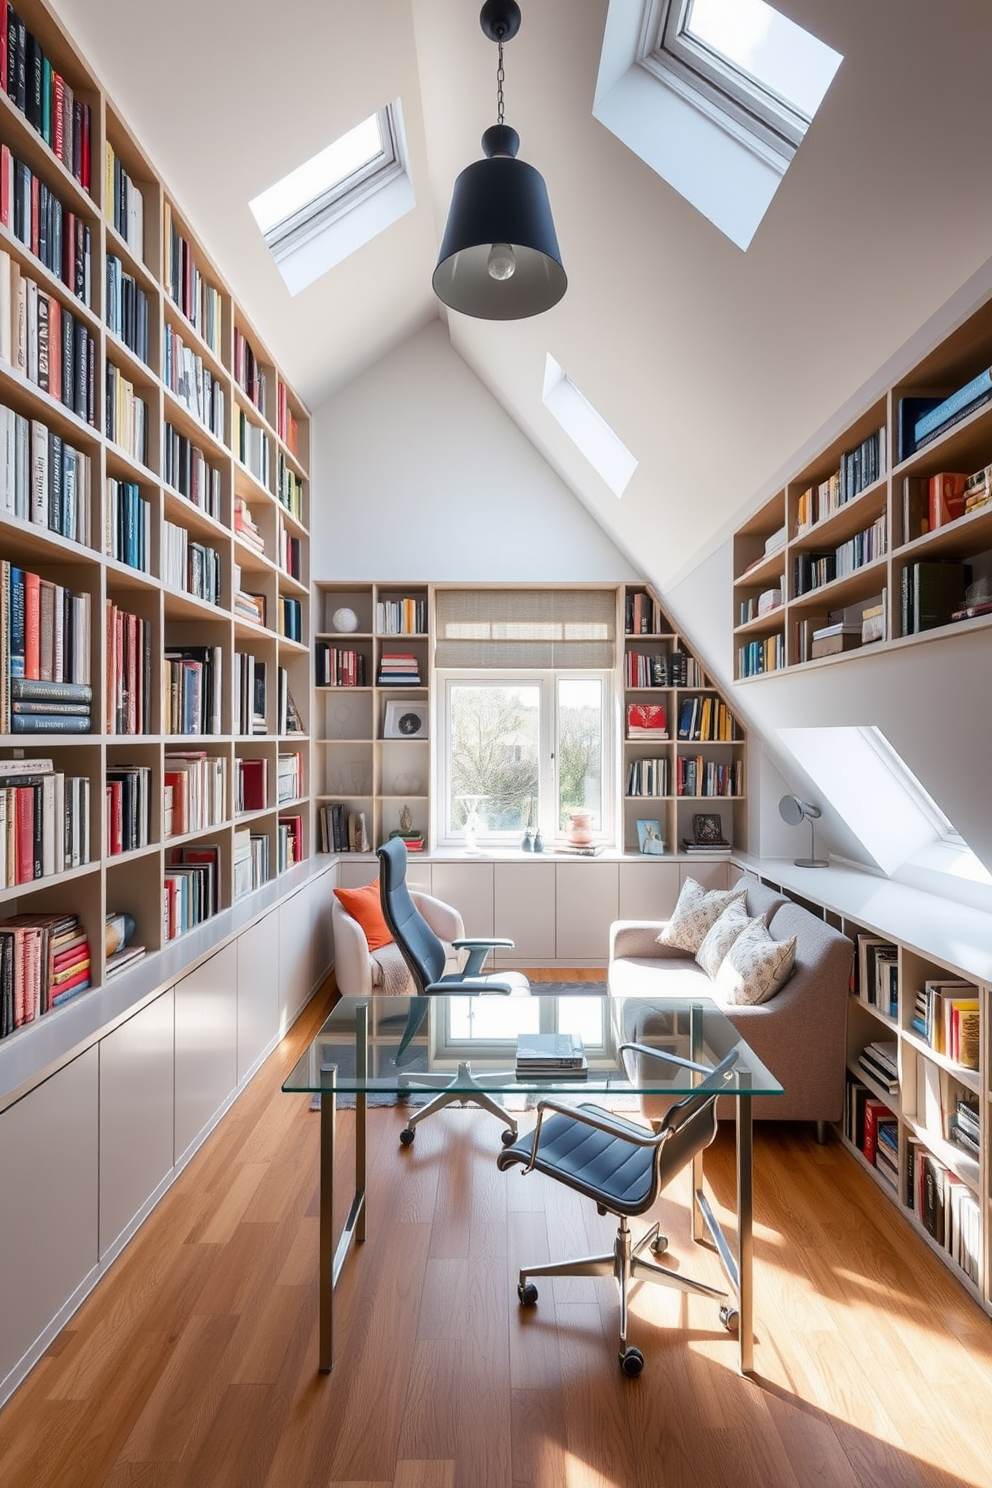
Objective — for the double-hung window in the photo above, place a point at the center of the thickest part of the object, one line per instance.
(525, 714)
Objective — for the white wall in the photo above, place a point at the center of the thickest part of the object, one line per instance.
(420, 475)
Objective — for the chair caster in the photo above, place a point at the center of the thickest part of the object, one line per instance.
(632, 1362)
(508, 1137)
(730, 1318)
(406, 1136)
(527, 1293)
(659, 1245)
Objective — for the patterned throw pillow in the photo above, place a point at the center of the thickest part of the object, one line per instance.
(754, 968)
(696, 911)
(721, 936)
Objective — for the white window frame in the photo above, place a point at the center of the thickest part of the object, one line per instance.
(547, 679)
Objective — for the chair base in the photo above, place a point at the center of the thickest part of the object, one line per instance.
(626, 1265)
(471, 1090)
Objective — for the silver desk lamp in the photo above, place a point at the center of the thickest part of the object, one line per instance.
(793, 810)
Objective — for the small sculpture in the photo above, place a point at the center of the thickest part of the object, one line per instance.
(538, 841)
(406, 820)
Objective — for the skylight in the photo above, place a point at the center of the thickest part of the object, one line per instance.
(338, 200)
(587, 428)
(715, 96)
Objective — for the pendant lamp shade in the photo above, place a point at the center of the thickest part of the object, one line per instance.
(499, 257)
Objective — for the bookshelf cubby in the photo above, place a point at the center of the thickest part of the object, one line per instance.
(877, 525)
(218, 432)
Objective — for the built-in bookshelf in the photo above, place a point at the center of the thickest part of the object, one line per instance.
(683, 751)
(372, 694)
(154, 507)
(884, 537)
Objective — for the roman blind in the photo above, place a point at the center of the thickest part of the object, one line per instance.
(534, 629)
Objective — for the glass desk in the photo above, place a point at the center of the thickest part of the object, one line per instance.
(379, 1046)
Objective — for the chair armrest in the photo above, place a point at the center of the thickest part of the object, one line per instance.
(443, 919)
(469, 986)
(702, 1069)
(474, 942)
(352, 959)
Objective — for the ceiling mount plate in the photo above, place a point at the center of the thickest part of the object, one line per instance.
(500, 19)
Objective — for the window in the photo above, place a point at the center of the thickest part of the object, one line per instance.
(587, 428)
(339, 200)
(521, 753)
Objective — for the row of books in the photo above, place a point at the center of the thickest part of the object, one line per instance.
(129, 672)
(192, 679)
(290, 615)
(696, 776)
(286, 425)
(191, 889)
(338, 666)
(932, 592)
(250, 686)
(39, 91)
(765, 603)
(880, 1061)
(44, 479)
(44, 655)
(873, 1128)
(559, 1055)
(289, 489)
(254, 448)
(863, 548)
(198, 782)
(59, 239)
(342, 830)
(641, 669)
(289, 778)
(648, 777)
(947, 1110)
(398, 669)
(128, 808)
(876, 973)
(44, 341)
(126, 415)
(290, 556)
(193, 567)
(946, 1207)
(186, 469)
(248, 371)
(44, 961)
(124, 202)
(251, 861)
(401, 617)
(128, 517)
(706, 720)
(921, 420)
(642, 615)
(126, 308)
(195, 296)
(245, 528)
(44, 821)
(193, 383)
(247, 605)
(946, 1016)
(767, 655)
(859, 468)
(289, 842)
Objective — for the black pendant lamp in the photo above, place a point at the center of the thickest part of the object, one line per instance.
(500, 259)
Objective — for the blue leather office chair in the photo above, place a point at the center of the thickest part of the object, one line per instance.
(425, 956)
(623, 1168)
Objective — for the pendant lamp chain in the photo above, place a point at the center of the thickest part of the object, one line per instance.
(500, 79)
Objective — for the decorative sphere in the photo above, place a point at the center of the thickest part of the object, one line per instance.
(344, 619)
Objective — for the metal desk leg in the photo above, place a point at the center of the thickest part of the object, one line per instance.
(331, 1260)
(745, 1218)
(699, 1222)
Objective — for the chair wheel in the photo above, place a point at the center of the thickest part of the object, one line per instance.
(527, 1292)
(406, 1136)
(632, 1362)
(508, 1137)
(659, 1244)
(730, 1318)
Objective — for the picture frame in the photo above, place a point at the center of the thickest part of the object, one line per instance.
(649, 838)
(404, 720)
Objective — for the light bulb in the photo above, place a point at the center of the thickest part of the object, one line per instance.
(501, 262)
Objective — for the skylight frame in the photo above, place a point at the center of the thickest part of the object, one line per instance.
(595, 439)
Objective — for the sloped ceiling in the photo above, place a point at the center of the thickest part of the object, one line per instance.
(712, 365)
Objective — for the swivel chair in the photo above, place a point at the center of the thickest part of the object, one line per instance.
(425, 955)
(623, 1168)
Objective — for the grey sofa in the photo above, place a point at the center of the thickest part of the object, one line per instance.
(799, 1034)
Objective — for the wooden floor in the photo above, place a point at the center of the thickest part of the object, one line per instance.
(194, 1361)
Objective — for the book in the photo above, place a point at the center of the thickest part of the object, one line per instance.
(936, 591)
(977, 390)
(558, 1054)
(946, 498)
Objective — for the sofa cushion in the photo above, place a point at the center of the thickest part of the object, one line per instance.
(365, 906)
(697, 909)
(754, 968)
(638, 976)
(721, 936)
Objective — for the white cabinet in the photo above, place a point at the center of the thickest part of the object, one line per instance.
(587, 901)
(294, 955)
(48, 1203)
(715, 875)
(648, 890)
(524, 899)
(468, 887)
(321, 935)
(137, 1102)
(258, 991)
(206, 1044)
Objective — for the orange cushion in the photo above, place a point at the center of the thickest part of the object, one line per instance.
(365, 906)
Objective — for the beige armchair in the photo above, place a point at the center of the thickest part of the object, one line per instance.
(361, 972)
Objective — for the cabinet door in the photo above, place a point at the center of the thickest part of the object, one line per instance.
(525, 911)
(48, 1202)
(648, 890)
(258, 990)
(137, 1098)
(206, 1043)
(710, 875)
(321, 937)
(294, 956)
(355, 874)
(587, 901)
(467, 887)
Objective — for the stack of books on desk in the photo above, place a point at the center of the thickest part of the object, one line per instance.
(560, 1056)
